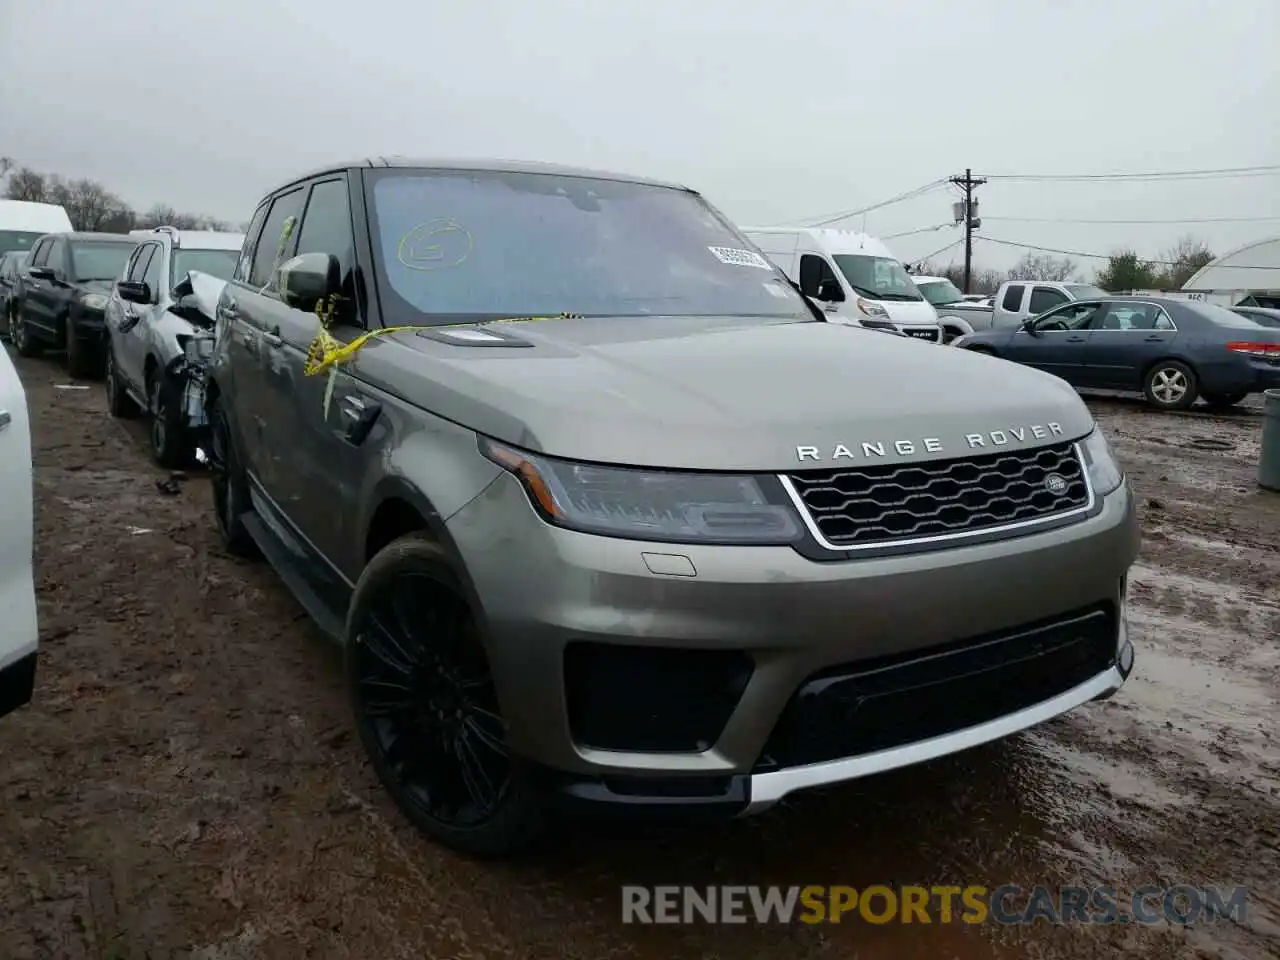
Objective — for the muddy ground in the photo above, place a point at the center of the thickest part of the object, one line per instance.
(185, 783)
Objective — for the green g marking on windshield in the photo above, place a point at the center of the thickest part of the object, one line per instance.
(435, 245)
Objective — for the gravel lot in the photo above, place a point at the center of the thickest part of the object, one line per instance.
(186, 783)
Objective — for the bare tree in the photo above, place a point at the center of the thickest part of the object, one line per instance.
(980, 281)
(1043, 266)
(1185, 257)
(89, 204)
(27, 184)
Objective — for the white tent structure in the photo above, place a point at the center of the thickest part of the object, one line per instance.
(1249, 276)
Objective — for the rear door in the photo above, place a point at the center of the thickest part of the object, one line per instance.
(17, 590)
(39, 294)
(1124, 338)
(255, 312)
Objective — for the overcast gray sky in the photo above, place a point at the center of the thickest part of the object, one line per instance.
(774, 110)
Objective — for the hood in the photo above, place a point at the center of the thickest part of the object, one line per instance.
(910, 312)
(713, 394)
(206, 289)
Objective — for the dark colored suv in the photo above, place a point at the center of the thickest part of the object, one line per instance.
(65, 287)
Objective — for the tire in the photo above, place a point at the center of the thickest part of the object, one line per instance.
(437, 795)
(82, 360)
(1170, 385)
(230, 488)
(1221, 401)
(26, 344)
(119, 403)
(170, 441)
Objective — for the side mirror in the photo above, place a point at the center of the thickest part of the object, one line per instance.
(134, 292)
(829, 290)
(40, 273)
(306, 280)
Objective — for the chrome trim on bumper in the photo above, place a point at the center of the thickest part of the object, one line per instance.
(768, 788)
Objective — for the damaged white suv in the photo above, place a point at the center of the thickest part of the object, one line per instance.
(156, 318)
(19, 638)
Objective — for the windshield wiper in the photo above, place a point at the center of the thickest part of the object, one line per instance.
(896, 297)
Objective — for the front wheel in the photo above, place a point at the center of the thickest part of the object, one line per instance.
(119, 403)
(426, 708)
(170, 441)
(23, 341)
(230, 487)
(1221, 401)
(82, 360)
(1170, 385)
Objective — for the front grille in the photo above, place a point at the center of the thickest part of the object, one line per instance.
(890, 702)
(880, 504)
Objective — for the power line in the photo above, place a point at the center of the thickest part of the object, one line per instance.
(1184, 220)
(823, 220)
(909, 233)
(1208, 174)
(1072, 253)
(930, 256)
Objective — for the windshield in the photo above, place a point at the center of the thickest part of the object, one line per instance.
(939, 292)
(453, 245)
(1084, 291)
(877, 278)
(99, 259)
(17, 240)
(216, 263)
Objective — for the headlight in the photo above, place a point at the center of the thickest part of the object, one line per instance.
(1105, 474)
(94, 301)
(872, 309)
(648, 504)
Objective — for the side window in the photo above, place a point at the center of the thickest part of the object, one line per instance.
(1012, 300)
(1162, 321)
(274, 244)
(142, 261)
(326, 226)
(814, 271)
(1073, 317)
(56, 255)
(152, 273)
(39, 253)
(1045, 298)
(245, 263)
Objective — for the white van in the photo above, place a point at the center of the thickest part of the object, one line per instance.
(852, 276)
(23, 222)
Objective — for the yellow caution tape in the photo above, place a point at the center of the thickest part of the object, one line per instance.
(326, 351)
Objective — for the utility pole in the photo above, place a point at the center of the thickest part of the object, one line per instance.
(967, 211)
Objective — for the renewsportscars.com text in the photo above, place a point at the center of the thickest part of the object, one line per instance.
(1008, 904)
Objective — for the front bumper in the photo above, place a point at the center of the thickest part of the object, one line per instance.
(659, 675)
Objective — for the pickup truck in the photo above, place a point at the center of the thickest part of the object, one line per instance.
(1015, 301)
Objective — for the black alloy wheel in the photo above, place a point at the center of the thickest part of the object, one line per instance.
(426, 706)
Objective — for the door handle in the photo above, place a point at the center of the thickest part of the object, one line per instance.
(1076, 339)
(1153, 339)
(6, 418)
(361, 415)
(272, 338)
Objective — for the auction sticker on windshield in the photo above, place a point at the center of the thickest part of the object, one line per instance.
(741, 258)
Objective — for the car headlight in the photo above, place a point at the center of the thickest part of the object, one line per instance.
(1104, 471)
(94, 301)
(872, 309)
(641, 504)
